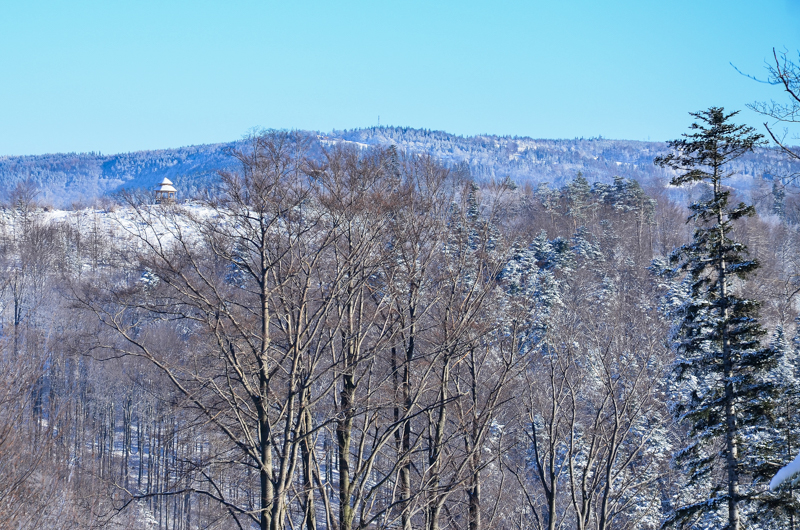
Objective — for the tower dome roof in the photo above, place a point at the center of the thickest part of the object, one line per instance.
(166, 186)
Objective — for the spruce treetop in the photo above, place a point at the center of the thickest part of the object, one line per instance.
(714, 142)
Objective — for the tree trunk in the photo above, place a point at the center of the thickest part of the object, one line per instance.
(731, 450)
(344, 430)
(307, 449)
(434, 460)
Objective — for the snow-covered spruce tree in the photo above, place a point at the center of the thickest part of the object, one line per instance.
(781, 508)
(721, 378)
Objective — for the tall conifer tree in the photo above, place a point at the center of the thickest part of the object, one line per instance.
(721, 380)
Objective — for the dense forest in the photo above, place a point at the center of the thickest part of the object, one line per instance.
(344, 336)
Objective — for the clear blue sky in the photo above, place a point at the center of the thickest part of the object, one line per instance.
(124, 75)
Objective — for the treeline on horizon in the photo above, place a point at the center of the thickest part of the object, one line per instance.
(72, 180)
(366, 339)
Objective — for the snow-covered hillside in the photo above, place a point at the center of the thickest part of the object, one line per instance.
(68, 178)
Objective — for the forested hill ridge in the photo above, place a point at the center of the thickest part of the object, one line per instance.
(67, 178)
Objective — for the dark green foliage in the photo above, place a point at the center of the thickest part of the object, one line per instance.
(779, 444)
(722, 391)
(578, 194)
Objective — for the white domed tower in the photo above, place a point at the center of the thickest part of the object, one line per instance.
(166, 192)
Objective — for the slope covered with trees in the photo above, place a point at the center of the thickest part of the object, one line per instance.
(348, 337)
(64, 179)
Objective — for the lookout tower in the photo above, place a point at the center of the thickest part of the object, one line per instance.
(166, 192)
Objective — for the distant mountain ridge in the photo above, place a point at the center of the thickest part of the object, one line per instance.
(67, 178)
